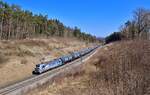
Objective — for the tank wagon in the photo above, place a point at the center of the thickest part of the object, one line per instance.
(43, 67)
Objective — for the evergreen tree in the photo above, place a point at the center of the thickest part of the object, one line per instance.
(16, 23)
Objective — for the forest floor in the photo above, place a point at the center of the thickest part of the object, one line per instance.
(121, 68)
(18, 58)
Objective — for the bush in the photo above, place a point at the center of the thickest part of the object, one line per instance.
(124, 69)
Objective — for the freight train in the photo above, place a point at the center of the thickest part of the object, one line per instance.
(43, 67)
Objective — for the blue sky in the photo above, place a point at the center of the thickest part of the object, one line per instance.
(97, 17)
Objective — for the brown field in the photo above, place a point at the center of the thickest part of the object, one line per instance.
(18, 58)
(122, 68)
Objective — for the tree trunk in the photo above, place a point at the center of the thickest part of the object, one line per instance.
(1, 27)
(9, 29)
(16, 29)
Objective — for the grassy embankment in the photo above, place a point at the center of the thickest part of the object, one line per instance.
(122, 68)
(18, 58)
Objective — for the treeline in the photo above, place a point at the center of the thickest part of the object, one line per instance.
(137, 28)
(116, 36)
(16, 23)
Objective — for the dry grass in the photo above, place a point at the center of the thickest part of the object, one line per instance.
(24, 61)
(3, 59)
(124, 69)
(23, 55)
(120, 69)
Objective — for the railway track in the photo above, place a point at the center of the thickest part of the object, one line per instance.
(37, 80)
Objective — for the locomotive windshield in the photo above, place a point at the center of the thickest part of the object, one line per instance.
(38, 65)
